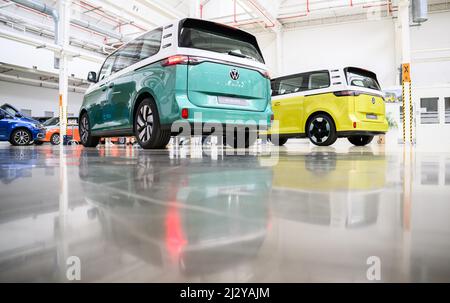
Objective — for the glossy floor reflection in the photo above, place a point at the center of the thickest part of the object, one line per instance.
(294, 214)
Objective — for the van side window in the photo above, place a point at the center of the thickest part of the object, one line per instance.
(107, 67)
(289, 85)
(318, 80)
(128, 55)
(151, 43)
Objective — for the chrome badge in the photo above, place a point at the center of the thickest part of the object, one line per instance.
(234, 74)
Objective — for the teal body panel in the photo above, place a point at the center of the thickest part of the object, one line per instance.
(111, 107)
(206, 91)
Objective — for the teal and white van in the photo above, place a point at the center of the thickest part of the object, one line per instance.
(182, 71)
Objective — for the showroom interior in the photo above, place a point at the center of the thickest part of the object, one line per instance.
(204, 211)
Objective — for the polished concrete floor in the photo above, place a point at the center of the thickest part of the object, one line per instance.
(186, 214)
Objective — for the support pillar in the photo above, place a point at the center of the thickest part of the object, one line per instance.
(64, 25)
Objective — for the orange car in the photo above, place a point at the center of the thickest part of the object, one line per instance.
(52, 131)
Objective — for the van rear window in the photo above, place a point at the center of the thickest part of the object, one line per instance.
(218, 38)
(362, 78)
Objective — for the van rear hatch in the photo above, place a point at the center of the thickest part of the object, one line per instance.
(219, 81)
(368, 97)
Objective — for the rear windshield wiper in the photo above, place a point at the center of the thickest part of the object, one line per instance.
(232, 53)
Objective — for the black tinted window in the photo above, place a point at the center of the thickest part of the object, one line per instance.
(150, 43)
(288, 85)
(362, 78)
(128, 55)
(217, 38)
(107, 67)
(318, 80)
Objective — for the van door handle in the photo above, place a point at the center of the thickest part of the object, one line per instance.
(276, 104)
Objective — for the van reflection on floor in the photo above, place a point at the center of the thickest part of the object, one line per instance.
(204, 217)
(331, 188)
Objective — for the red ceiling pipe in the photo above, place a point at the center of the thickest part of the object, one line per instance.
(254, 5)
(103, 14)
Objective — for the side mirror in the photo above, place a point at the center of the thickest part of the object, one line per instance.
(92, 77)
(2, 115)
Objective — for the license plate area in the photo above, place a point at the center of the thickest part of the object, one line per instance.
(232, 101)
(371, 116)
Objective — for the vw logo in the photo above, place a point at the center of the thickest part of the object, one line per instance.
(373, 100)
(234, 74)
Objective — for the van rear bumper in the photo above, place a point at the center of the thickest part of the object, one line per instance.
(205, 118)
(344, 134)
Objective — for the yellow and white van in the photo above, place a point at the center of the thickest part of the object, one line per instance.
(324, 105)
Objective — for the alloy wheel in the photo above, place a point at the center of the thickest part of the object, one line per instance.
(145, 123)
(55, 139)
(84, 129)
(22, 137)
(319, 130)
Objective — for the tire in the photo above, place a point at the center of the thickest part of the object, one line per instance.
(21, 137)
(232, 140)
(85, 132)
(321, 130)
(281, 141)
(55, 139)
(147, 127)
(37, 142)
(360, 140)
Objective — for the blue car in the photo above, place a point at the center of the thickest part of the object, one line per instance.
(18, 129)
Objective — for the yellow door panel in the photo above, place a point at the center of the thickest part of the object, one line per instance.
(337, 108)
(288, 113)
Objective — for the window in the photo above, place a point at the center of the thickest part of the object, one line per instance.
(107, 67)
(319, 80)
(48, 114)
(430, 173)
(127, 55)
(150, 43)
(429, 113)
(51, 122)
(288, 85)
(447, 109)
(26, 112)
(72, 121)
(218, 38)
(362, 78)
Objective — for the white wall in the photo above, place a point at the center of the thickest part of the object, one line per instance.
(368, 44)
(20, 54)
(433, 66)
(38, 99)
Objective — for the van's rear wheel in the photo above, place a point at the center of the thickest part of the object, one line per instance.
(85, 132)
(360, 140)
(321, 130)
(147, 127)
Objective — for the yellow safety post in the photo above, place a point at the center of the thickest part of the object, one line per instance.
(406, 78)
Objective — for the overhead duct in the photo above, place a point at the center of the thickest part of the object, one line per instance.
(45, 9)
(97, 29)
(419, 11)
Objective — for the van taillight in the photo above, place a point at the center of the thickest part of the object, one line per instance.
(346, 93)
(266, 74)
(175, 60)
(181, 59)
